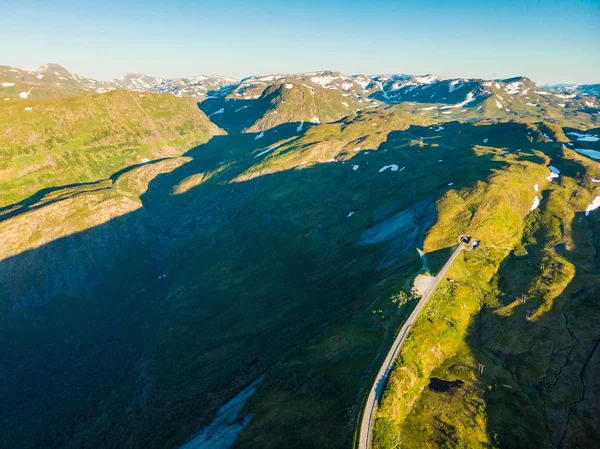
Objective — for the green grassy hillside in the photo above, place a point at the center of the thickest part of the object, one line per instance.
(54, 142)
(150, 294)
(515, 306)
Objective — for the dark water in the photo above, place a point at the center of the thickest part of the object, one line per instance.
(443, 386)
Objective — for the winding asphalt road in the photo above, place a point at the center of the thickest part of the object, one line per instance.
(366, 425)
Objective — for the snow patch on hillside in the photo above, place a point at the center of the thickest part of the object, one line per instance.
(593, 206)
(392, 167)
(594, 154)
(223, 432)
(536, 203)
(469, 99)
(589, 139)
(220, 111)
(456, 84)
(267, 150)
(554, 173)
(513, 88)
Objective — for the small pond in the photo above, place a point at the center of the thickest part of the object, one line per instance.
(442, 386)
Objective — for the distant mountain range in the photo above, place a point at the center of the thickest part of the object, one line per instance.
(586, 89)
(54, 80)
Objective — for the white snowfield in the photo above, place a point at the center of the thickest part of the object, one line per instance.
(595, 180)
(536, 203)
(220, 111)
(469, 99)
(392, 167)
(594, 154)
(223, 431)
(533, 104)
(513, 88)
(268, 149)
(8, 84)
(536, 187)
(429, 109)
(315, 120)
(554, 172)
(289, 86)
(498, 104)
(593, 206)
(584, 137)
(24, 95)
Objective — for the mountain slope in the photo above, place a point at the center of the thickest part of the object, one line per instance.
(52, 142)
(279, 104)
(137, 298)
(53, 80)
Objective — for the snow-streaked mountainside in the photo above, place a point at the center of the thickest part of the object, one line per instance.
(196, 87)
(586, 89)
(517, 95)
(51, 80)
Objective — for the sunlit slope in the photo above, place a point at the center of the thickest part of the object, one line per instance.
(521, 305)
(60, 141)
(280, 256)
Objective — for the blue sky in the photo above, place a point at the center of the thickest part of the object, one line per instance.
(549, 41)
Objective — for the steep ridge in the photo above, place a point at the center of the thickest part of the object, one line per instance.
(279, 104)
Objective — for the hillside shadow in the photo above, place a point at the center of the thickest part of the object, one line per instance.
(236, 115)
(199, 291)
(182, 293)
(445, 95)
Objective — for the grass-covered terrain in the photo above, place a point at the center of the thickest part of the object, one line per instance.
(54, 142)
(516, 306)
(137, 299)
